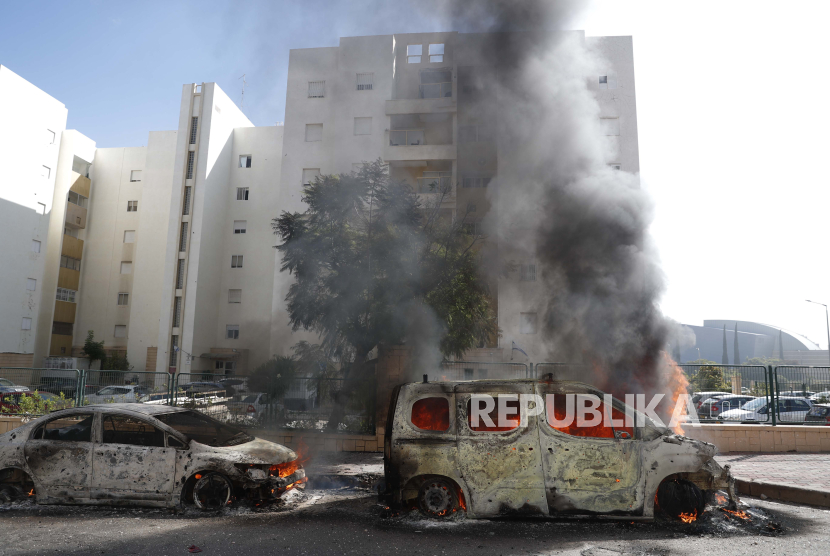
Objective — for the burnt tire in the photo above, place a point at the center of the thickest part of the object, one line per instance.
(679, 497)
(437, 498)
(11, 493)
(212, 492)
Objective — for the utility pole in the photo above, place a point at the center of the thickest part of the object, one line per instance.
(827, 318)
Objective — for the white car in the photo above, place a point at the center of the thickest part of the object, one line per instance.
(252, 407)
(129, 393)
(790, 410)
(820, 396)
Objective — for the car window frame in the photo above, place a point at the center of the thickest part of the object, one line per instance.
(137, 418)
(94, 433)
(617, 404)
(451, 413)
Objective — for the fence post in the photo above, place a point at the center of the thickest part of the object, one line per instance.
(773, 403)
(79, 387)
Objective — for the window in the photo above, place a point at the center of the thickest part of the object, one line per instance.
(135, 175)
(528, 273)
(69, 428)
(234, 296)
(120, 331)
(610, 126)
(244, 161)
(180, 275)
(241, 193)
(194, 125)
(607, 82)
(183, 238)
(129, 236)
(316, 89)
(436, 83)
(473, 134)
(363, 126)
(45, 171)
(35, 246)
(431, 414)
(489, 421)
(413, 53)
(527, 323)
(468, 374)
(236, 261)
(473, 228)
(309, 175)
(50, 137)
(232, 331)
(471, 207)
(71, 232)
(64, 294)
(26, 324)
(556, 414)
(177, 312)
(123, 429)
(126, 267)
(62, 328)
(227, 368)
(436, 53)
(31, 284)
(132, 206)
(240, 226)
(186, 208)
(123, 299)
(476, 182)
(174, 344)
(191, 158)
(313, 132)
(70, 263)
(365, 81)
(76, 199)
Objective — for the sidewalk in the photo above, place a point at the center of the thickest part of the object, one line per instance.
(798, 478)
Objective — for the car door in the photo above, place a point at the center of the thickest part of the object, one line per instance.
(501, 466)
(794, 411)
(588, 468)
(59, 458)
(131, 462)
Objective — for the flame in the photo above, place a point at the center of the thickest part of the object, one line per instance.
(197, 476)
(720, 498)
(739, 514)
(290, 467)
(461, 501)
(678, 384)
(688, 518)
(32, 492)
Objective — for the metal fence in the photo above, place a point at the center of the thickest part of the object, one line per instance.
(55, 388)
(559, 371)
(793, 384)
(741, 380)
(205, 392)
(471, 370)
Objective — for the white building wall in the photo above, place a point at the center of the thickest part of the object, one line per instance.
(28, 117)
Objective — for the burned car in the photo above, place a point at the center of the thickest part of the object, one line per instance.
(438, 460)
(141, 454)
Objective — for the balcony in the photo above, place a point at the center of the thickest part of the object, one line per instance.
(75, 216)
(434, 184)
(420, 137)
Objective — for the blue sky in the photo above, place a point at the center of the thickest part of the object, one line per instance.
(730, 106)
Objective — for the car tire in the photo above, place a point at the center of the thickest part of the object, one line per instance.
(679, 496)
(10, 493)
(437, 498)
(212, 492)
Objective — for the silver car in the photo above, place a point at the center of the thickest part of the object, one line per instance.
(138, 454)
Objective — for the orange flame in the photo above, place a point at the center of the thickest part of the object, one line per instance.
(678, 384)
(739, 514)
(32, 492)
(688, 518)
(720, 498)
(290, 467)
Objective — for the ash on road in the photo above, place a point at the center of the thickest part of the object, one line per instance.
(347, 521)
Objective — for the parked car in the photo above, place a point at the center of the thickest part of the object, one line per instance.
(129, 393)
(438, 460)
(191, 389)
(712, 407)
(820, 397)
(790, 409)
(170, 456)
(252, 407)
(819, 414)
(699, 397)
(797, 393)
(57, 385)
(7, 385)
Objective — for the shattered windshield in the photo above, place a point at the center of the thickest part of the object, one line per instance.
(204, 430)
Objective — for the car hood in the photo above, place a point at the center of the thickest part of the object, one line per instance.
(257, 452)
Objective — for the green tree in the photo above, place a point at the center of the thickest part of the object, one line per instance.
(370, 260)
(709, 377)
(94, 350)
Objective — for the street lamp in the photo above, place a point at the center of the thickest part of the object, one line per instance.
(827, 317)
(698, 354)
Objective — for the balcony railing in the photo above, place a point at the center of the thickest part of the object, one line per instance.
(400, 137)
(436, 90)
(434, 185)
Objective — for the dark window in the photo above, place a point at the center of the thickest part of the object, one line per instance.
(194, 125)
(123, 429)
(431, 414)
(62, 328)
(512, 416)
(204, 430)
(72, 428)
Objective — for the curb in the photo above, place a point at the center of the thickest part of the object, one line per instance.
(784, 493)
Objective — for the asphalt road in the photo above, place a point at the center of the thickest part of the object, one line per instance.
(347, 521)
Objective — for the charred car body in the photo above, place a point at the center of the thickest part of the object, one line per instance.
(436, 459)
(137, 454)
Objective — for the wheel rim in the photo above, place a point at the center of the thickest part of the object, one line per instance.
(436, 498)
(212, 492)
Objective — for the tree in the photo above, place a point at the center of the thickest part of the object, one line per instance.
(736, 355)
(725, 356)
(370, 261)
(273, 377)
(709, 377)
(94, 350)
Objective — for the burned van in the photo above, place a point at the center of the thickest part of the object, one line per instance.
(447, 450)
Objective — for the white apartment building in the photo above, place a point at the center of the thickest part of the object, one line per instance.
(166, 251)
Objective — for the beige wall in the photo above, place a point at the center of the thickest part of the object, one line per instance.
(762, 438)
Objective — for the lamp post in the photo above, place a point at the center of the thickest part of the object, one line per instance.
(827, 318)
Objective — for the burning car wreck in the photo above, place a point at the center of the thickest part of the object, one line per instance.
(441, 459)
(137, 454)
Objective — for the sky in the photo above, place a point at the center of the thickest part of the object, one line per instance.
(733, 143)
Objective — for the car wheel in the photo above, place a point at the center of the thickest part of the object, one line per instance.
(10, 493)
(679, 498)
(437, 498)
(212, 492)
